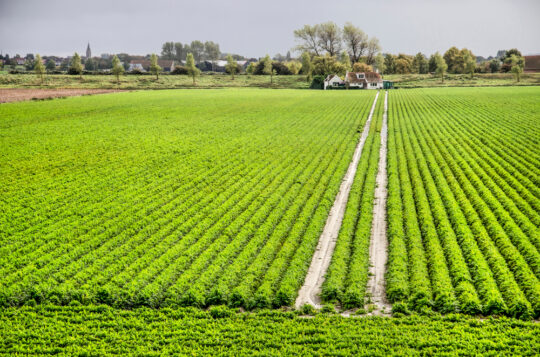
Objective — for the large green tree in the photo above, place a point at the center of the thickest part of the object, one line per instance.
(267, 67)
(90, 65)
(155, 69)
(117, 68)
(379, 63)
(307, 66)
(345, 60)
(75, 65)
(518, 63)
(325, 65)
(50, 65)
(451, 57)
(231, 67)
(192, 70)
(441, 66)
(39, 68)
(390, 63)
(469, 63)
(420, 64)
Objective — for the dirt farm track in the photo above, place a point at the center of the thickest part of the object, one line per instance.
(16, 95)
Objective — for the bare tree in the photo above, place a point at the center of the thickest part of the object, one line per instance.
(330, 38)
(309, 36)
(356, 41)
(373, 48)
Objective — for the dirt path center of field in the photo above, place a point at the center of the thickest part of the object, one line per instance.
(310, 292)
(378, 247)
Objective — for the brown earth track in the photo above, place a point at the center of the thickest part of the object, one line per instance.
(17, 94)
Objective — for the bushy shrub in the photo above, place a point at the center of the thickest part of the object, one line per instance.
(317, 82)
(179, 70)
(281, 69)
(136, 71)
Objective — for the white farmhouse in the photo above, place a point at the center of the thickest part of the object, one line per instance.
(333, 81)
(365, 80)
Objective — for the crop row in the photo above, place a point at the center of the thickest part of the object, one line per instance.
(462, 234)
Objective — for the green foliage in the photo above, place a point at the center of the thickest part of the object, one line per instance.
(469, 64)
(307, 66)
(325, 65)
(75, 66)
(345, 60)
(39, 68)
(294, 67)
(308, 309)
(380, 63)
(420, 64)
(250, 68)
(117, 68)
(517, 63)
(96, 330)
(362, 67)
(155, 69)
(89, 65)
(317, 82)
(50, 66)
(192, 70)
(440, 66)
(231, 67)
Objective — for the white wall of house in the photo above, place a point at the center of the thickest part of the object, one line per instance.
(375, 85)
(335, 81)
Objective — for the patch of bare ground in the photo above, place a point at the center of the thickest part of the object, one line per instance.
(310, 292)
(20, 94)
(377, 303)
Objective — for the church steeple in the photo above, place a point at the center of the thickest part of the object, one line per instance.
(88, 51)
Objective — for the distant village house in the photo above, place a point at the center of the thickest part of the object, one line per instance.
(144, 65)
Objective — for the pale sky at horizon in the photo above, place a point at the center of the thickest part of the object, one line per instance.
(254, 28)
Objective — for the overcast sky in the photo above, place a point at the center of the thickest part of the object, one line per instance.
(254, 28)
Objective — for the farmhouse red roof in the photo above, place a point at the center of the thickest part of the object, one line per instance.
(532, 63)
(369, 77)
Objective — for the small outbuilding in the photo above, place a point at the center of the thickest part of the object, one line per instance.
(333, 81)
(388, 84)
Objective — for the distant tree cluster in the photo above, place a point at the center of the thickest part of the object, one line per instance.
(329, 38)
(457, 62)
(207, 51)
(327, 49)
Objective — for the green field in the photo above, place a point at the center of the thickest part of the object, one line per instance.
(171, 197)
(464, 200)
(118, 211)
